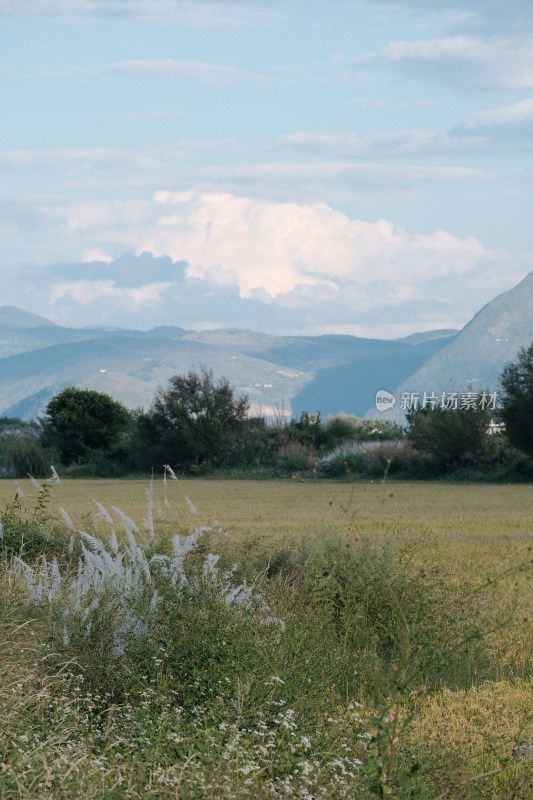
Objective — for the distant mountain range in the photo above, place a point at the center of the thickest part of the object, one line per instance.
(282, 375)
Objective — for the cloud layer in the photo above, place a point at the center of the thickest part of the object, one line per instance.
(267, 265)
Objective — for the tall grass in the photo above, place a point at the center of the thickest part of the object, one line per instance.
(140, 661)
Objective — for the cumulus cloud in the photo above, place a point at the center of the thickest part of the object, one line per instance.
(240, 261)
(279, 247)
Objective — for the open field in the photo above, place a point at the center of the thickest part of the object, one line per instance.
(479, 518)
(398, 599)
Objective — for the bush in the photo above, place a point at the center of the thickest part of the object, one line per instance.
(381, 619)
(373, 462)
(21, 454)
(29, 531)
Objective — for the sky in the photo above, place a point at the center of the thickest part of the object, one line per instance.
(295, 167)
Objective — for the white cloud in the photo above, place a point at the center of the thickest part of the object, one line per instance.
(394, 144)
(480, 15)
(512, 115)
(460, 61)
(276, 266)
(171, 68)
(273, 179)
(94, 254)
(190, 13)
(86, 292)
(280, 247)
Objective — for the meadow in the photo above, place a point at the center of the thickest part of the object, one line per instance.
(322, 639)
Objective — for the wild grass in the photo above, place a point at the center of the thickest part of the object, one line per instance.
(339, 642)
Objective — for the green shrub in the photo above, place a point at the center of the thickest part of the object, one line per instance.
(381, 615)
(29, 531)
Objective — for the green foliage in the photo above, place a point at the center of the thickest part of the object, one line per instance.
(193, 421)
(204, 700)
(517, 400)
(28, 529)
(336, 432)
(79, 421)
(21, 453)
(450, 436)
(375, 462)
(386, 620)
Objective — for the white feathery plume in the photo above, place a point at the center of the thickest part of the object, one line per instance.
(273, 621)
(209, 568)
(20, 490)
(93, 605)
(154, 601)
(55, 477)
(239, 596)
(103, 512)
(66, 637)
(66, 518)
(128, 575)
(29, 574)
(149, 518)
(190, 504)
(55, 580)
(34, 482)
(97, 544)
(113, 541)
(170, 471)
(126, 521)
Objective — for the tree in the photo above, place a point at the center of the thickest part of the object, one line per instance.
(79, 421)
(195, 420)
(451, 436)
(20, 450)
(516, 410)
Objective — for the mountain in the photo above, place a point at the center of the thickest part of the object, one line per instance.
(474, 359)
(281, 374)
(11, 316)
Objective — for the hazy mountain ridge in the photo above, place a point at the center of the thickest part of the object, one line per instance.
(479, 352)
(280, 374)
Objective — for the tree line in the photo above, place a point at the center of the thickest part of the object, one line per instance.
(197, 425)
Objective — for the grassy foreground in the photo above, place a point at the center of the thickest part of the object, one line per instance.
(381, 645)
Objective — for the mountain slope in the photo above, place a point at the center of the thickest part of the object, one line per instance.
(16, 317)
(475, 358)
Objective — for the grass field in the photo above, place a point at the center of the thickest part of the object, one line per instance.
(399, 600)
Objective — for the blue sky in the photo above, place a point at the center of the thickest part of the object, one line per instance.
(306, 166)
